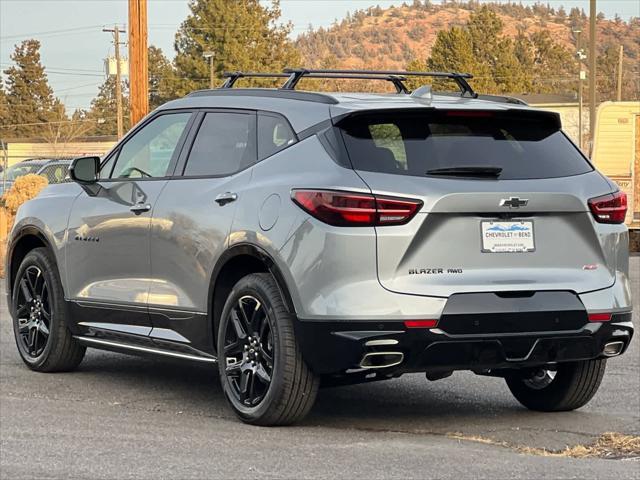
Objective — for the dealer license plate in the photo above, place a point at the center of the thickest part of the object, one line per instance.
(507, 237)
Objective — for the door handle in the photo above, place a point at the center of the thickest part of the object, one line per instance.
(226, 197)
(139, 208)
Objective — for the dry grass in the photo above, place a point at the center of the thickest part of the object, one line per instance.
(608, 445)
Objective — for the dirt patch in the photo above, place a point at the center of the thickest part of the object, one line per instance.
(608, 445)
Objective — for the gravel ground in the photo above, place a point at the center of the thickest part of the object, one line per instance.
(126, 417)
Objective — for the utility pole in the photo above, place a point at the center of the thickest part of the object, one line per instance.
(620, 60)
(211, 56)
(138, 60)
(581, 77)
(116, 42)
(593, 13)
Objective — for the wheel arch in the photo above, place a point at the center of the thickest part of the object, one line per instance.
(27, 239)
(235, 263)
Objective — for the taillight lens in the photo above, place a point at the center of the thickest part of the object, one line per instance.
(348, 209)
(611, 208)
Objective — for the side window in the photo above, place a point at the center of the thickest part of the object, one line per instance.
(54, 173)
(148, 153)
(274, 134)
(225, 144)
(105, 170)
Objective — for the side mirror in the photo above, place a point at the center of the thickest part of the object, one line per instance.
(84, 170)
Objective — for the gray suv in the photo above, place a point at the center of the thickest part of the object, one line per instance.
(295, 238)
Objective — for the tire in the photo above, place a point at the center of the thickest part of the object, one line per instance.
(45, 344)
(291, 389)
(572, 387)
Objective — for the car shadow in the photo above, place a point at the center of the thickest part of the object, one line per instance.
(471, 405)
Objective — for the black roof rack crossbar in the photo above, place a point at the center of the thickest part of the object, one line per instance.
(233, 77)
(295, 75)
(398, 81)
(397, 77)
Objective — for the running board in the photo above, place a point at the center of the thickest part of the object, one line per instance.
(136, 348)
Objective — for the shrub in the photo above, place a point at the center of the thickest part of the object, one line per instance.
(24, 188)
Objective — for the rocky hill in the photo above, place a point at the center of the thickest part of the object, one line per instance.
(390, 38)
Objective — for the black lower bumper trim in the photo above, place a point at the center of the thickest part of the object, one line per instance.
(512, 312)
(333, 348)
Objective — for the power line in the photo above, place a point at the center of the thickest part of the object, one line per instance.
(49, 32)
(5, 64)
(92, 84)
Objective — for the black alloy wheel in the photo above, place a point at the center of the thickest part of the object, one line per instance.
(33, 311)
(40, 316)
(569, 386)
(249, 351)
(263, 375)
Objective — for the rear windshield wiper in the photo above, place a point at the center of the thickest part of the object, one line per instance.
(470, 171)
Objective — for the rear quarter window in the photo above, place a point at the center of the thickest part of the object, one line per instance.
(274, 135)
(524, 145)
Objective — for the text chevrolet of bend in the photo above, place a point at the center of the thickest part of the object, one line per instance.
(295, 238)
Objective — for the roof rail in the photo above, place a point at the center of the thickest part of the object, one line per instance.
(397, 77)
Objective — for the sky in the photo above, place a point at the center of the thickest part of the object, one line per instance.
(74, 46)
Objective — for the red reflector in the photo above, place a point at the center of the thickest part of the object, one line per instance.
(611, 208)
(349, 209)
(599, 317)
(420, 323)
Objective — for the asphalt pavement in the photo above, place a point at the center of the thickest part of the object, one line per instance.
(125, 417)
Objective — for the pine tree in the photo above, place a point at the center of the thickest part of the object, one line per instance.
(502, 65)
(480, 49)
(4, 109)
(162, 78)
(243, 34)
(508, 73)
(553, 64)
(29, 96)
(453, 51)
(606, 82)
(562, 13)
(103, 108)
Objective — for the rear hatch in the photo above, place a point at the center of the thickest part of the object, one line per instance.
(504, 201)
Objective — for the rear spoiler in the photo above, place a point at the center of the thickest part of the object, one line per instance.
(549, 118)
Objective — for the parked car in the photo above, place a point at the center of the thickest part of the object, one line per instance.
(54, 170)
(296, 238)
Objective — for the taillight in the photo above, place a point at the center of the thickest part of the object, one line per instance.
(350, 209)
(611, 208)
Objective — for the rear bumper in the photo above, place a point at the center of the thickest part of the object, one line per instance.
(338, 348)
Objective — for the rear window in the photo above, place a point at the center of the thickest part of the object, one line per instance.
(524, 145)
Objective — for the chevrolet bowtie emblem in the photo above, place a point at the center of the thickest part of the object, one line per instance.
(514, 202)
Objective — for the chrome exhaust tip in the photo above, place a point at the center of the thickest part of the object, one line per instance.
(612, 349)
(381, 360)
